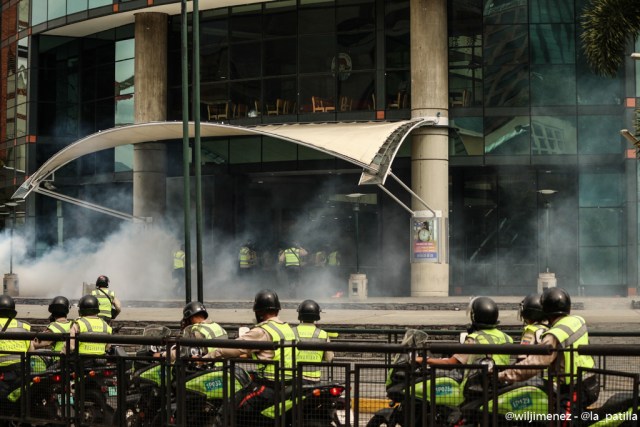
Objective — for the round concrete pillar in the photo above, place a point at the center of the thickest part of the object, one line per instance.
(150, 105)
(430, 145)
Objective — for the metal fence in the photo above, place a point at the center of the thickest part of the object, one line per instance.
(368, 384)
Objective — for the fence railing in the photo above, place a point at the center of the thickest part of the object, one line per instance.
(369, 385)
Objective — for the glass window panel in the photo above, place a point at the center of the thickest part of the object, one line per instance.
(598, 90)
(38, 11)
(246, 94)
(124, 77)
(397, 50)
(23, 15)
(465, 70)
(76, 6)
(283, 89)
(280, 57)
(98, 3)
(551, 10)
(105, 76)
(396, 16)
(245, 60)
(600, 134)
(105, 114)
(277, 150)
(214, 63)
(246, 23)
(357, 52)
(506, 44)
(123, 157)
(57, 8)
(355, 15)
(214, 98)
(553, 135)
(553, 44)
(316, 17)
(505, 12)
(398, 90)
(321, 86)
(125, 49)
(244, 150)
(316, 53)
(214, 32)
(507, 135)
(124, 110)
(600, 227)
(216, 149)
(600, 189)
(279, 22)
(600, 266)
(468, 138)
(506, 86)
(306, 153)
(356, 91)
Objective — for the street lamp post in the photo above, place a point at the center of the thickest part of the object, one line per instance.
(357, 281)
(10, 283)
(546, 279)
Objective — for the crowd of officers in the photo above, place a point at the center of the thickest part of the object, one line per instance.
(547, 320)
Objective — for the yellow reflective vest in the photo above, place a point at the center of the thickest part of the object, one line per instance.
(210, 331)
(21, 346)
(490, 336)
(59, 328)
(279, 332)
(105, 301)
(178, 259)
(571, 331)
(310, 332)
(292, 257)
(92, 325)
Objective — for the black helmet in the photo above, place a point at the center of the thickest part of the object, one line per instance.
(59, 306)
(7, 306)
(265, 300)
(531, 308)
(193, 308)
(308, 311)
(555, 301)
(102, 281)
(484, 312)
(88, 306)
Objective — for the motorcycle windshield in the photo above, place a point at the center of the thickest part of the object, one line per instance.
(155, 331)
(412, 338)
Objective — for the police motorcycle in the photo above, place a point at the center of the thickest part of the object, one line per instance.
(41, 406)
(149, 381)
(409, 389)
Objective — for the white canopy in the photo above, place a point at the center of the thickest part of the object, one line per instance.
(370, 145)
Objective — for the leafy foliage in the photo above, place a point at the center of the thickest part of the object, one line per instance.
(608, 25)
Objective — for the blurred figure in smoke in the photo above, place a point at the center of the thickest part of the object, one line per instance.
(292, 258)
(178, 269)
(333, 262)
(110, 306)
(247, 262)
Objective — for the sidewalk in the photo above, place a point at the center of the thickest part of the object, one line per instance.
(600, 313)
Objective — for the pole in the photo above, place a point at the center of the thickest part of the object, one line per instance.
(186, 174)
(13, 223)
(197, 145)
(546, 255)
(356, 209)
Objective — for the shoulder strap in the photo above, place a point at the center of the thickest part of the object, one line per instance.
(107, 295)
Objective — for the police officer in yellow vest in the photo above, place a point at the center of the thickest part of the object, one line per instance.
(292, 259)
(10, 363)
(110, 306)
(179, 257)
(59, 324)
(247, 260)
(195, 315)
(484, 315)
(535, 321)
(565, 331)
(308, 314)
(260, 394)
(88, 323)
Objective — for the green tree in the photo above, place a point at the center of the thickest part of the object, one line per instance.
(608, 26)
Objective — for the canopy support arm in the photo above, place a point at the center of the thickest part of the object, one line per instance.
(89, 205)
(410, 192)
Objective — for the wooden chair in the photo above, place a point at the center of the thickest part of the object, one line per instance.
(461, 99)
(316, 105)
(397, 103)
(346, 103)
(258, 111)
(328, 105)
(241, 110)
(275, 109)
(373, 106)
(212, 112)
(224, 114)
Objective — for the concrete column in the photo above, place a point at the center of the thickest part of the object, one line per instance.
(150, 105)
(430, 145)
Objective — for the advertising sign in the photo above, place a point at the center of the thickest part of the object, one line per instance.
(424, 239)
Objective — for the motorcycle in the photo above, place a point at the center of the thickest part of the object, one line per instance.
(147, 391)
(42, 406)
(407, 399)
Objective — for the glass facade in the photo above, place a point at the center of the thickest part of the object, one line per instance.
(526, 115)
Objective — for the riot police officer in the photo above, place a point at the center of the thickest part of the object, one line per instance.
(88, 322)
(110, 306)
(59, 324)
(308, 314)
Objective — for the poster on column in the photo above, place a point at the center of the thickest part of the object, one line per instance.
(424, 239)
